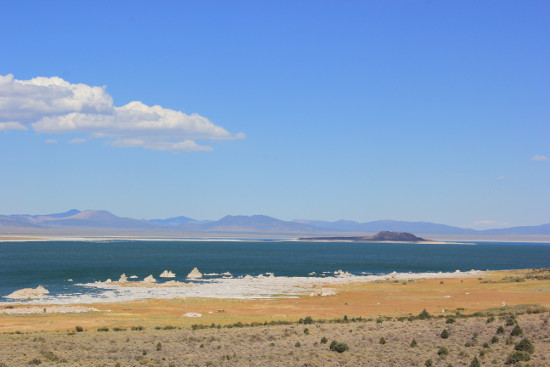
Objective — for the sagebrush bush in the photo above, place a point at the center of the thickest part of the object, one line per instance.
(518, 356)
(424, 315)
(442, 351)
(525, 345)
(338, 347)
(445, 334)
(517, 331)
(414, 343)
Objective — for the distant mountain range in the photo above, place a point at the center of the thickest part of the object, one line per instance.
(101, 222)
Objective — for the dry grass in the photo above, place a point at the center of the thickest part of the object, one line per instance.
(286, 345)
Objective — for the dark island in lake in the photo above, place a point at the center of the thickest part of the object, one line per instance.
(384, 236)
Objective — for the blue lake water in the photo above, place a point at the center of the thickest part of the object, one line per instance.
(28, 264)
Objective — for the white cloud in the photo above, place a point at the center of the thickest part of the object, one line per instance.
(54, 106)
(51, 141)
(77, 141)
(540, 158)
(5, 126)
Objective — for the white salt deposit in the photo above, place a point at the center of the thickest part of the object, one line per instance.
(29, 293)
(133, 277)
(244, 288)
(342, 274)
(192, 314)
(149, 279)
(323, 292)
(51, 309)
(167, 274)
(194, 274)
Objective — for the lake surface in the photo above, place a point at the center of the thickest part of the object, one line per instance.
(51, 264)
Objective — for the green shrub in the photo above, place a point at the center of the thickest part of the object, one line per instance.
(139, 328)
(511, 320)
(443, 351)
(494, 340)
(424, 315)
(485, 345)
(297, 345)
(475, 363)
(518, 356)
(445, 334)
(414, 343)
(79, 329)
(517, 331)
(338, 347)
(306, 331)
(159, 346)
(525, 346)
(428, 363)
(103, 329)
(308, 320)
(35, 361)
(490, 319)
(382, 340)
(341, 347)
(324, 340)
(500, 330)
(450, 320)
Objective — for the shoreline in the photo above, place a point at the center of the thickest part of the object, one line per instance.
(263, 286)
(389, 297)
(434, 239)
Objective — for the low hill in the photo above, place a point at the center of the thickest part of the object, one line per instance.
(256, 224)
(384, 236)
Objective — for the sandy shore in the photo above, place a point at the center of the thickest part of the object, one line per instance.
(389, 297)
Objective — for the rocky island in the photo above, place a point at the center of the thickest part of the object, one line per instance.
(384, 236)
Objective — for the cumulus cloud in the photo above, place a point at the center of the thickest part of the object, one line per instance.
(55, 106)
(540, 158)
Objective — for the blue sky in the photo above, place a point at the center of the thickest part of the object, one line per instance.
(363, 110)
